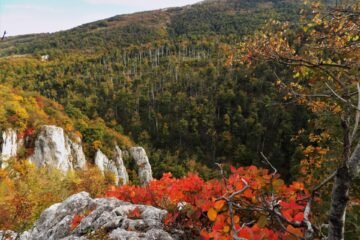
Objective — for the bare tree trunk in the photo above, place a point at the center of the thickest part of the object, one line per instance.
(343, 180)
(339, 200)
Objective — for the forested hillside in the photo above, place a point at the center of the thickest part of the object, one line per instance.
(163, 78)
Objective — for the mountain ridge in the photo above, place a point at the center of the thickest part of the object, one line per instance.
(203, 18)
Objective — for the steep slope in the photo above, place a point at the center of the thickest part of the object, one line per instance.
(25, 112)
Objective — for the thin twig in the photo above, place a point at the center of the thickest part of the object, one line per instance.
(335, 93)
(341, 98)
(268, 162)
(222, 174)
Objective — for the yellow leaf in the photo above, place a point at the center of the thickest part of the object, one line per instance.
(278, 183)
(212, 214)
(262, 221)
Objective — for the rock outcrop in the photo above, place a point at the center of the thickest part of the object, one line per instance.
(8, 146)
(77, 156)
(122, 172)
(100, 216)
(105, 164)
(54, 149)
(142, 161)
(115, 166)
(8, 235)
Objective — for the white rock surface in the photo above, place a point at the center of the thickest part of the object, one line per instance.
(9, 146)
(115, 165)
(108, 214)
(118, 159)
(54, 149)
(5, 235)
(77, 156)
(142, 161)
(105, 164)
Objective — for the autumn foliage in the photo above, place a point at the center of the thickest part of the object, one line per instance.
(201, 208)
(25, 192)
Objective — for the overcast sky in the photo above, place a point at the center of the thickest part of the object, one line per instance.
(36, 16)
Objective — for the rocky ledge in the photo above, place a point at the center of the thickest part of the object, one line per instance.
(81, 217)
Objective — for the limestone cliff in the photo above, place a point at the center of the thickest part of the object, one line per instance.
(115, 166)
(122, 172)
(54, 149)
(142, 161)
(8, 146)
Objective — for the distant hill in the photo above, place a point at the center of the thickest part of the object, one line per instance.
(224, 17)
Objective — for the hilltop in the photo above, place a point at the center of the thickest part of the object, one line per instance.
(207, 18)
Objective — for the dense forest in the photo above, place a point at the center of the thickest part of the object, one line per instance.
(219, 83)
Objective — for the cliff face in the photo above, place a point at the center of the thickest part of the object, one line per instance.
(142, 161)
(8, 146)
(54, 149)
(115, 165)
(102, 218)
(122, 172)
(105, 164)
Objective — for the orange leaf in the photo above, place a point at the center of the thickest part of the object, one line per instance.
(248, 193)
(245, 233)
(296, 231)
(204, 235)
(236, 219)
(299, 217)
(219, 205)
(212, 214)
(226, 229)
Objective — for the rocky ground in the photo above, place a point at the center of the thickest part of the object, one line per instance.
(101, 218)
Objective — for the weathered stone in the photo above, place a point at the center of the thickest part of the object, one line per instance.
(54, 149)
(9, 146)
(142, 161)
(77, 156)
(115, 166)
(107, 214)
(105, 164)
(8, 235)
(118, 159)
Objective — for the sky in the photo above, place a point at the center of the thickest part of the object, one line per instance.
(38, 16)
